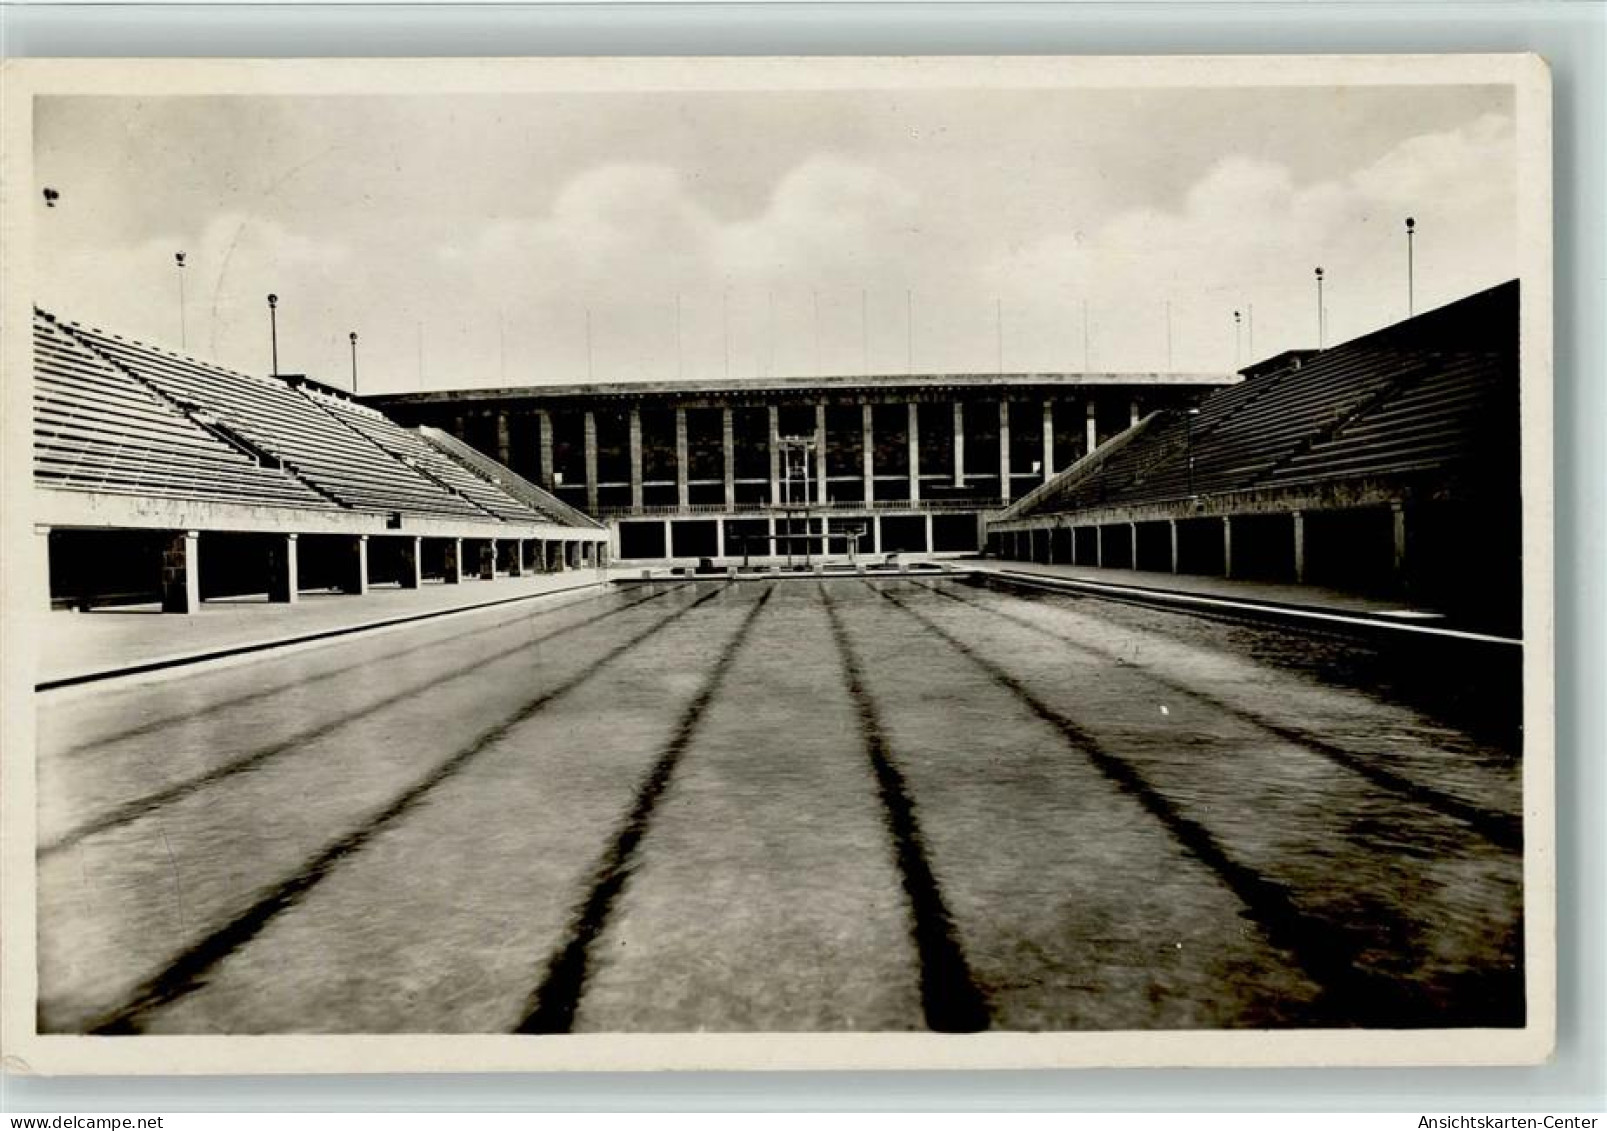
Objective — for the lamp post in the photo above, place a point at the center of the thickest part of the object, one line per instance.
(353, 337)
(1320, 326)
(273, 330)
(178, 260)
(1238, 340)
(1411, 230)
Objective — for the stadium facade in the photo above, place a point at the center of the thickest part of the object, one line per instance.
(765, 469)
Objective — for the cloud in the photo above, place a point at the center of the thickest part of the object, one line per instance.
(647, 269)
(1246, 234)
(230, 269)
(628, 243)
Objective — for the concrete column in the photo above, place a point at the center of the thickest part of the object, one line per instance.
(876, 534)
(574, 554)
(181, 573)
(412, 572)
(959, 443)
(719, 538)
(931, 542)
(1398, 559)
(516, 560)
(683, 490)
(1133, 527)
(283, 578)
(1049, 551)
(42, 546)
(1004, 449)
(1227, 546)
(357, 579)
(669, 539)
(1092, 425)
(1048, 440)
(820, 451)
(504, 445)
(772, 543)
(1300, 545)
(867, 442)
(912, 431)
(488, 559)
(544, 427)
(591, 460)
(1176, 561)
(636, 458)
(775, 458)
(452, 569)
(728, 450)
(1099, 546)
(1132, 413)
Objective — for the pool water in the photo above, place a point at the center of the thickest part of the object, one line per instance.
(844, 804)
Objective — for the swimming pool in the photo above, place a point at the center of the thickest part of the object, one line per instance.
(844, 804)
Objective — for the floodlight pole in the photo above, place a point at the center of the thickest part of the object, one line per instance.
(353, 337)
(273, 330)
(178, 259)
(1320, 324)
(1411, 230)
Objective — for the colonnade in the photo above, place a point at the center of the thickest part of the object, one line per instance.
(912, 430)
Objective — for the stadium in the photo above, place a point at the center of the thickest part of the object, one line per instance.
(1019, 649)
(169, 484)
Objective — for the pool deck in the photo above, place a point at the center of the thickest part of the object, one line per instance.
(1308, 597)
(78, 647)
(81, 647)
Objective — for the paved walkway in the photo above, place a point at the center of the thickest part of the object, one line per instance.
(76, 646)
(1268, 592)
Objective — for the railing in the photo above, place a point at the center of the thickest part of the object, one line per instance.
(839, 506)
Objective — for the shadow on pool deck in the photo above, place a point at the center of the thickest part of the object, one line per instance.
(77, 647)
(1313, 597)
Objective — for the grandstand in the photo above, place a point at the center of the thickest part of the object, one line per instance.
(1387, 464)
(148, 463)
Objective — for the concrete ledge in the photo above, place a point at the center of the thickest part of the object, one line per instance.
(812, 573)
(289, 639)
(1246, 603)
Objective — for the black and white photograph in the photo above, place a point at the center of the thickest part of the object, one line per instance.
(739, 563)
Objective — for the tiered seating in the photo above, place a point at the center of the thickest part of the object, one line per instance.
(1306, 401)
(98, 429)
(411, 449)
(1161, 456)
(544, 503)
(273, 416)
(1411, 398)
(1430, 423)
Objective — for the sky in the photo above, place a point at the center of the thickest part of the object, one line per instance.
(552, 238)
